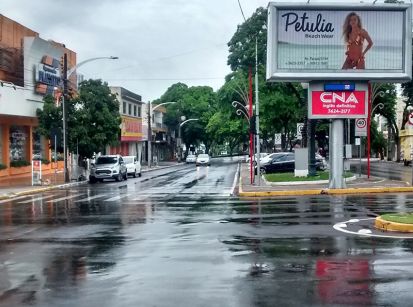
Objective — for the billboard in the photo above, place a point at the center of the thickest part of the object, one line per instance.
(339, 42)
(337, 104)
(131, 129)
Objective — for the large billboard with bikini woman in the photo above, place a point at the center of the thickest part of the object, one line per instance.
(339, 42)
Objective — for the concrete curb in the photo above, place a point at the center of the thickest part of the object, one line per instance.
(304, 192)
(384, 225)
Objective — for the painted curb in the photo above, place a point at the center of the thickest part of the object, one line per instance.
(384, 225)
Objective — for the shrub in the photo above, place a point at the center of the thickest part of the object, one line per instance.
(2, 166)
(19, 163)
(45, 161)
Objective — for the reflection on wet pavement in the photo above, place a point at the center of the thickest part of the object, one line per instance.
(191, 244)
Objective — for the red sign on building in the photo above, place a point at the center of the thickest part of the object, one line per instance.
(345, 104)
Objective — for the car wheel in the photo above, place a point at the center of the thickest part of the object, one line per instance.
(262, 171)
(92, 179)
(100, 180)
(125, 177)
(140, 174)
(134, 173)
(119, 177)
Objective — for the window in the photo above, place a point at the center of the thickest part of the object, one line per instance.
(139, 111)
(124, 108)
(129, 109)
(134, 110)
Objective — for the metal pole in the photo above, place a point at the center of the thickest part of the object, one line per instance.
(149, 136)
(360, 158)
(257, 110)
(251, 135)
(66, 173)
(179, 144)
(336, 175)
(368, 130)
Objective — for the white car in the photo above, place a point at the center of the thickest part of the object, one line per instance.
(108, 167)
(190, 159)
(133, 166)
(262, 155)
(203, 159)
(269, 157)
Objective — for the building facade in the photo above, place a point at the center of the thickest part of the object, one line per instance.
(132, 137)
(29, 69)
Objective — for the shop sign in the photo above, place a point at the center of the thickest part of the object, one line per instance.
(337, 104)
(48, 75)
(131, 129)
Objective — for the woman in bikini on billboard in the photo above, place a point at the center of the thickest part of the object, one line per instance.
(354, 36)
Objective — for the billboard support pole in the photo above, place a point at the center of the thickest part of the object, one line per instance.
(337, 144)
(257, 114)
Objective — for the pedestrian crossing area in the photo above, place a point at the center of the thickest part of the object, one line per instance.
(79, 197)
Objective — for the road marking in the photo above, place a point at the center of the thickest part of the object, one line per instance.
(91, 197)
(366, 232)
(35, 199)
(235, 181)
(13, 199)
(64, 198)
(117, 197)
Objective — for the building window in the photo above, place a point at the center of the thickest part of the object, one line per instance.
(124, 108)
(134, 110)
(139, 111)
(18, 143)
(129, 109)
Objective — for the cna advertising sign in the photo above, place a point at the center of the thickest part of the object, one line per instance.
(337, 104)
(339, 42)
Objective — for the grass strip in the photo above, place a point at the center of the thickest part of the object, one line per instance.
(403, 218)
(289, 177)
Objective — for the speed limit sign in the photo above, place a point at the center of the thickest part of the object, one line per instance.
(361, 127)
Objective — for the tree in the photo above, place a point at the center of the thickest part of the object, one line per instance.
(50, 118)
(93, 118)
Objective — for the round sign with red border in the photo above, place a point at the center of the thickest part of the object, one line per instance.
(361, 123)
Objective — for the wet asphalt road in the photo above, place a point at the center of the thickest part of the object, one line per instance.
(176, 237)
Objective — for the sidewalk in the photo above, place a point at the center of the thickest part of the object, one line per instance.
(22, 185)
(359, 185)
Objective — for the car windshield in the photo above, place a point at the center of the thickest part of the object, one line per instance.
(191, 156)
(203, 156)
(128, 160)
(106, 160)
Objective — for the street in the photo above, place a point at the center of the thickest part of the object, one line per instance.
(176, 237)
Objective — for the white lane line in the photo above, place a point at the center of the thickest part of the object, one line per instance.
(91, 197)
(235, 181)
(65, 198)
(14, 198)
(35, 199)
(117, 197)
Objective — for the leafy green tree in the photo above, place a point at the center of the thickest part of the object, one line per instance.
(93, 118)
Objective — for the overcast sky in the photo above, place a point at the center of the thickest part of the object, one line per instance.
(159, 42)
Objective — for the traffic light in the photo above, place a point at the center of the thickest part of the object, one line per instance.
(252, 125)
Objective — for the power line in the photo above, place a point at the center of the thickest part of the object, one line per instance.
(242, 12)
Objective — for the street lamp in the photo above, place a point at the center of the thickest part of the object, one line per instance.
(150, 111)
(179, 134)
(65, 77)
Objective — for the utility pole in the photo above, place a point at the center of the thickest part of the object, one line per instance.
(257, 112)
(149, 136)
(65, 91)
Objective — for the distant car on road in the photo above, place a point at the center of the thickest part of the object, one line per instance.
(190, 159)
(133, 166)
(108, 167)
(203, 159)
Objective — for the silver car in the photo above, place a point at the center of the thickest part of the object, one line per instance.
(203, 159)
(108, 167)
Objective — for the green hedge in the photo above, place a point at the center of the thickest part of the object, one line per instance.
(19, 163)
(2, 166)
(45, 161)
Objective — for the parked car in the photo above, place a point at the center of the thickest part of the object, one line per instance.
(285, 162)
(262, 155)
(190, 159)
(203, 159)
(133, 166)
(108, 167)
(271, 156)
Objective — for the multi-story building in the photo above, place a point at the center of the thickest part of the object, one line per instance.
(29, 69)
(132, 136)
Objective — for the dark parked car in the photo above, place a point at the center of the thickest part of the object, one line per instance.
(285, 163)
